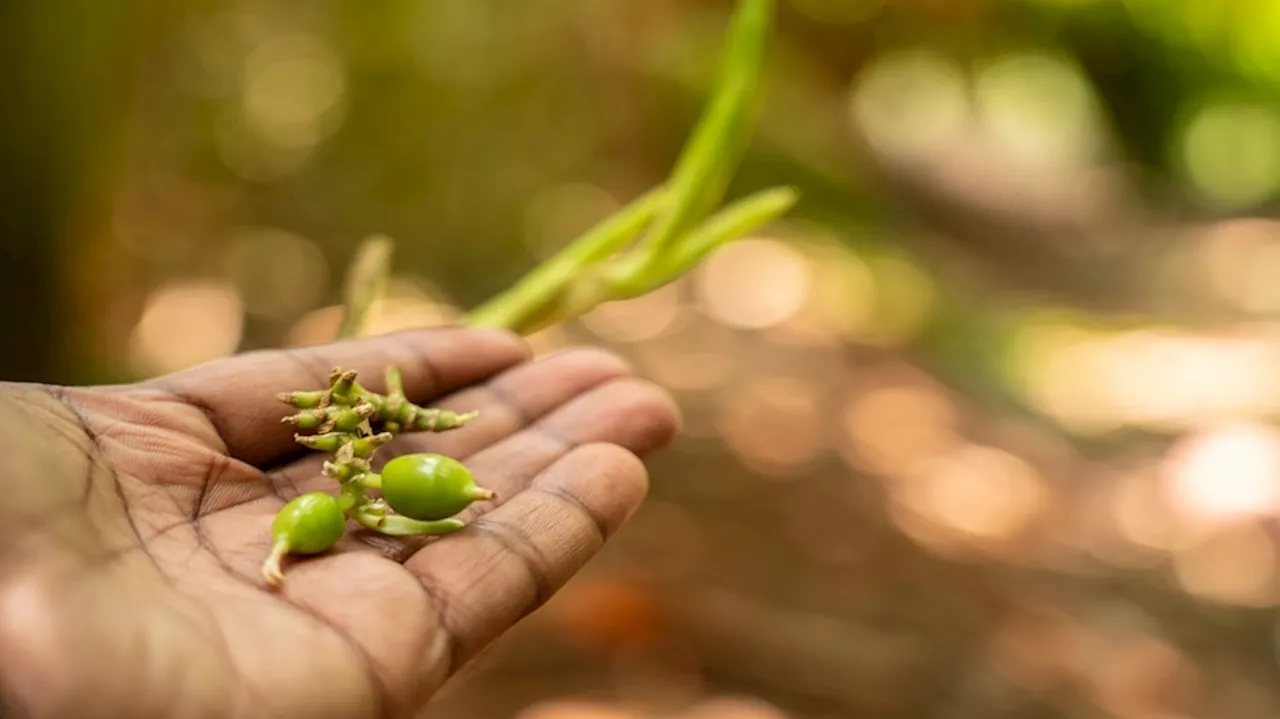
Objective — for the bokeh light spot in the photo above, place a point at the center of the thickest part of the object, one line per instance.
(775, 424)
(1235, 564)
(277, 273)
(633, 320)
(890, 427)
(735, 708)
(292, 98)
(695, 356)
(1241, 259)
(1144, 513)
(315, 327)
(1094, 381)
(906, 301)
(910, 102)
(409, 303)
(843, 297)
(185, 323)
(1035, 646)
(293, 85)
(978, 492)
(753, 283)
(1230, 152)
(1226, 472)
(1039, 107)
(576, 709)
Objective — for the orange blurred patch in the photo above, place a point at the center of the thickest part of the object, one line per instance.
(735, 708)
(568, 709)
(609, 616)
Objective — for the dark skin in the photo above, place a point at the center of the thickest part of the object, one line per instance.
(135, 520)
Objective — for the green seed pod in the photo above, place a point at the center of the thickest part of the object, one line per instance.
(364, 447)
(307, 419)
(437, 420)
(342, 386)
(430, 486)
(348, 420)
(309, 524)
(304, 400)
(328, 442)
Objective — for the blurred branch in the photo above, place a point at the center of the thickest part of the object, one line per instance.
(366, 282)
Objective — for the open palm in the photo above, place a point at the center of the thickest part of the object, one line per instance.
(134, 520)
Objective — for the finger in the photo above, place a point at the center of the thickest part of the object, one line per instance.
(631, 413)
(508, 563)
(238, 395)
(517, 398)
(506, 404)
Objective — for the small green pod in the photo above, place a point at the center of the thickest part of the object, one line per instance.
(303, 400)
(429, 486)
(329, 442)
(309, 524)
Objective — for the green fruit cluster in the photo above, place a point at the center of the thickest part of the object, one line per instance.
(421, 493)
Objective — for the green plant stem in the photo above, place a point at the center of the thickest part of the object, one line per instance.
(519, 308)
(737, 220)
(708, 161)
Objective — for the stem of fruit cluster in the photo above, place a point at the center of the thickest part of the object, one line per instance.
(520, 308)
(679, 235)
(709, 159)
(396, 525)
(736, 220)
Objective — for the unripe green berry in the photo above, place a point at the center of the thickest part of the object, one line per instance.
(309, 524)
(429, 486)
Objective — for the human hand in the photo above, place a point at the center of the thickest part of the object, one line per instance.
(134, 521)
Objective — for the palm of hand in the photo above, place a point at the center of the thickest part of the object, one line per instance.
(136, 519)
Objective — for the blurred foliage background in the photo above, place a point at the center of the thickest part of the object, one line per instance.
(985, 428)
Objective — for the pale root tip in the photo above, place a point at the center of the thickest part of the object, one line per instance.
(271, 570)
(272, 573)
